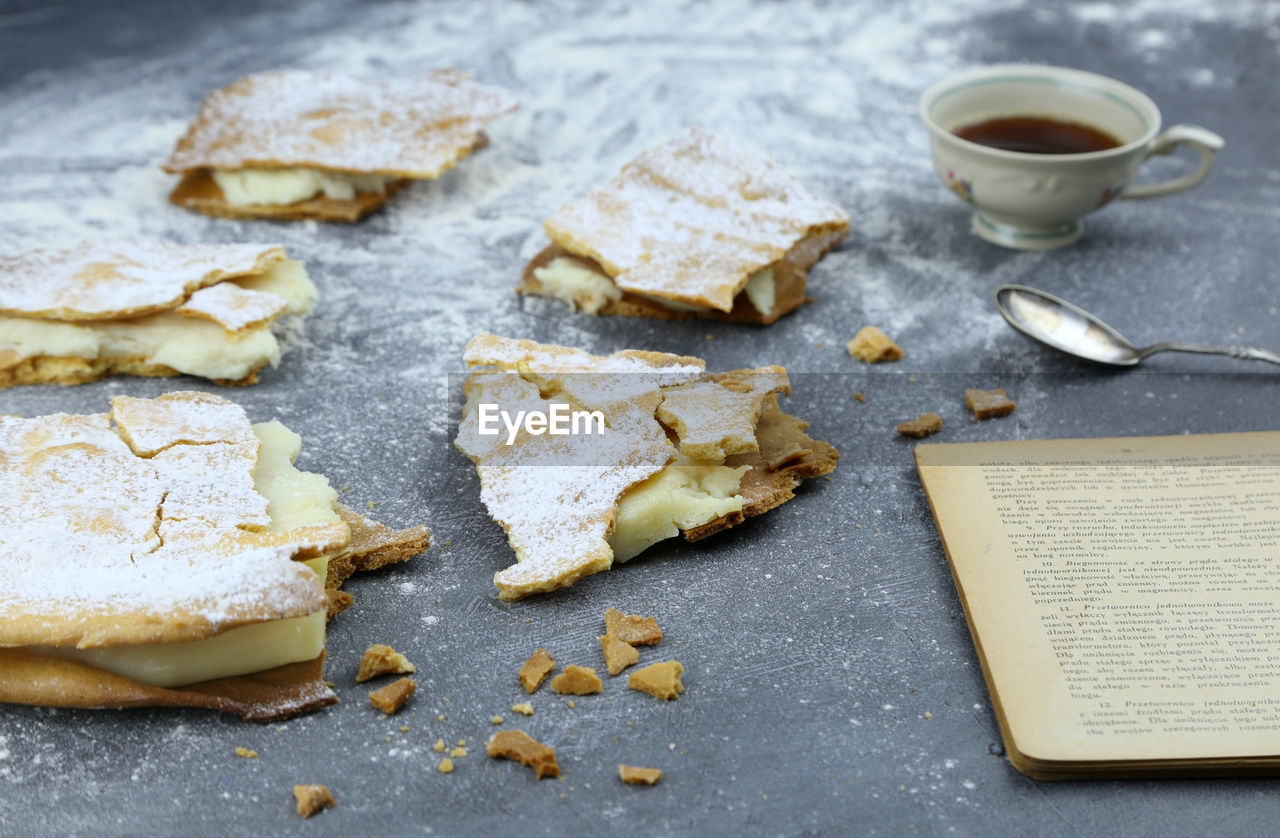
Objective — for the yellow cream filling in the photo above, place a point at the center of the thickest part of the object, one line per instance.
(246, 187)
(294, 498)
(578, 285)
(190, 345)
(686, 494)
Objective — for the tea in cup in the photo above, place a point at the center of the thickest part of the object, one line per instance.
(1036, 148)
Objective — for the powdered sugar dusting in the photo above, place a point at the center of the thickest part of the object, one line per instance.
(103, 280)
(104, 546)
(692, 218)
(414, 128)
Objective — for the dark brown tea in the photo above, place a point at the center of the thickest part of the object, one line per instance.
(1038, 135)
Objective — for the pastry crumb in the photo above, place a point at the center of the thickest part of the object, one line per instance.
(631, 628)
(497, 720)
(458, 752)
(859, 397)
(661, 680)
(988, 404)
(439, 746)
(639, 776)
(246, 753)
(391, 698)
(577, 680)
(572, 704)
(927, 425)
(312, 799)
(445, 766)
(523, 748)
(535, 670)
(617, 654)
(524, 709)
(874, 346)
(382, 660)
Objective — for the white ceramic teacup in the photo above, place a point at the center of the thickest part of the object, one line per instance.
(1035, 201)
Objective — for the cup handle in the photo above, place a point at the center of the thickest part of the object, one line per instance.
(1202, 140)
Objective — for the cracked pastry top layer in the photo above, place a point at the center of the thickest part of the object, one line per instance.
(145, 308)
(685, 229)
(310, 144)
(143, 525)
(682, 452)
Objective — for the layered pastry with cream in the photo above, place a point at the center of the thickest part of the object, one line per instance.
(169, 553)
(676, 451)
(698, 226)
(146, 308)
(300, 144)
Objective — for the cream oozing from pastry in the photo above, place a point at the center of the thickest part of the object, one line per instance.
(577, 284)
(294, 499)
(190, 345)
(686, 494)
(246, 187)
(573, 282)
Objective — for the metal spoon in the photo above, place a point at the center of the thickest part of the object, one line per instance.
(1057, 323)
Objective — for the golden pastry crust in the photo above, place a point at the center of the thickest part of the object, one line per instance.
(312, 799)
(392, 698)
(631, 629)
(639, 776)
(522, 748)
(558, 516)
(692, 218)
(535, 670)
(414, 128)
(660, 680)
(382, 660)
(28, 677)
(577, 680)
(118, 280)
(68, 371)
(617, 655)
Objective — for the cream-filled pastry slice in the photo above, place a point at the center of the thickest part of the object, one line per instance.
(300, 144)
(678, 452)
(146, 308)
(698, 226)
(168, 552)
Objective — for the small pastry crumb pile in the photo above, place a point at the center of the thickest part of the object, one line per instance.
(312, 799)
(874, 346)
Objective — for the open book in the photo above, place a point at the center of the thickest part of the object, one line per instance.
(1123, 596)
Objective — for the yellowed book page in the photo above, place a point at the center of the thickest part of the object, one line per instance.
(1124, 593)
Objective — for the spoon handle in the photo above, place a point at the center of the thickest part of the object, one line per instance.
(1244, 353)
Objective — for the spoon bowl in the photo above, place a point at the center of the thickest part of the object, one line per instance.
(1070, 329)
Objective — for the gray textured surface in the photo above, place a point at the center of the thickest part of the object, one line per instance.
(815, 639)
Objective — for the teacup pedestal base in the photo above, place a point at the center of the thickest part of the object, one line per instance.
(1024, 236)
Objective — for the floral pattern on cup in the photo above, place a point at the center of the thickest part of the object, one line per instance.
(1109, 194)
(961, 187)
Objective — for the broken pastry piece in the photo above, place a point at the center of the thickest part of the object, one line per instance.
(312, 799)
(631, 628)
(167, 553)
(927, 425)
(299, 144)
(535, 670)
(660, 680)
(146, 308)
(989, 404)
(639, 776)
(577, 680)
(874, 346)
(698, 226)
(666, 450)
(617, 654)
(382, 660)
(394, 696)
(522, 748)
